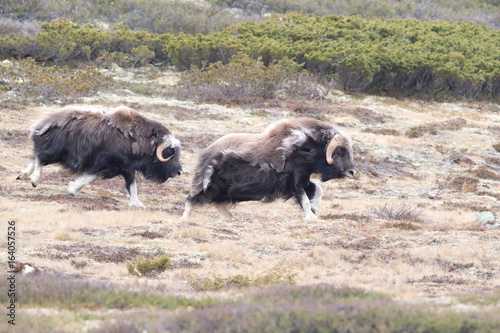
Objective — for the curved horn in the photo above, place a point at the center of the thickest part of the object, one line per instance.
(336, 141)
(161, 148)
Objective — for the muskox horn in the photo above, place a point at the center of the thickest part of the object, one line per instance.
(336, 141)
(161, 148)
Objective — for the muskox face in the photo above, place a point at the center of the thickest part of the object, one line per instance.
(343, 164)
(165, 162)
(330, 159)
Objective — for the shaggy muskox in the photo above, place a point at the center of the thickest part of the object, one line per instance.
(103, 144)
(275, 164)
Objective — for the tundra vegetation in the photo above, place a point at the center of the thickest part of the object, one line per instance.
(396, 249)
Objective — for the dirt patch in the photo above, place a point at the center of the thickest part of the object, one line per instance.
(100, 203)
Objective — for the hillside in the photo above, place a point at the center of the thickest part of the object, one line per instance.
(397, 245)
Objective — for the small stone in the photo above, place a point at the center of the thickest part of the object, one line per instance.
(486, 218)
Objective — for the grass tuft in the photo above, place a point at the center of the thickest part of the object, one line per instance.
(150, 267)
(278, 275)
(401, 212)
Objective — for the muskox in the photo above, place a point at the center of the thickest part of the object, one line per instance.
(277, 163)
(98, 144)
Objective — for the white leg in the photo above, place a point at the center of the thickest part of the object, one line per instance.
(134, 201)
(306, 206)
(37, 173)
(188, 208)
(25, 174)
(76, 185)
(222, 208)
(316, 200)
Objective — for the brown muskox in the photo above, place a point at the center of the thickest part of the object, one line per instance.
(277, 163)
(101, 144)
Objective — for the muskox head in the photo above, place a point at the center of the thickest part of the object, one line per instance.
(164, 161)
(338, 157)
(327, 152)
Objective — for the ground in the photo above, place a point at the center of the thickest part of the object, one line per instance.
(438, 180)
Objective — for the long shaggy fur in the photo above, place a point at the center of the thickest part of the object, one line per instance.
(105, 144)
(274, 164)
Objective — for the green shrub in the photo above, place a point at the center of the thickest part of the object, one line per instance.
(400, 57)
(149, 266)
(278, 275)
(55, 83)
(421, 130)
(242, 77)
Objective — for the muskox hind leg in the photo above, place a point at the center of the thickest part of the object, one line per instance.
(188, 208)
(25, 174)
(36, 175)
(221, 207)
(75, 186)
(223, 211)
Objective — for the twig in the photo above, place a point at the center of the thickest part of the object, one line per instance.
(475, 162)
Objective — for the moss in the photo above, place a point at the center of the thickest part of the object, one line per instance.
(419, 131)
(278, 275)
(149, 266)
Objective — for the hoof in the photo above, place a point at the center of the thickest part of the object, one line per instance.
(18, 177)
(34, 184)
(136, 205)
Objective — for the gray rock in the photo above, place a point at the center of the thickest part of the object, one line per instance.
(487, 218)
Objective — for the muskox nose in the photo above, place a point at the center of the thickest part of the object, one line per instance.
(351, 173)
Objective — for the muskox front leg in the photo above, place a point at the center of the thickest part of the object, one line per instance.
(131, 185)
(306, 206)
(314, 193)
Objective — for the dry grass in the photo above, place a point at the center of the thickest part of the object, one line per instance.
(379, 232)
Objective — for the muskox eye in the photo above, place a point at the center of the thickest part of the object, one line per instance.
(168, 152)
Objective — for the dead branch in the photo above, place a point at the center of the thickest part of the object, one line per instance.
(475, 162)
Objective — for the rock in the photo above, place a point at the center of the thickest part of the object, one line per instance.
(487, 218)
(6, 63)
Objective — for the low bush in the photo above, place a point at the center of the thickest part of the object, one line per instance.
(324, 308)
(62, 84)
(398, 57)
(60, 291)
(10, 27)
(433, 128)
(400, 212)
(150, 267)
(278, 275)
(463, 184)
(241, 78)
